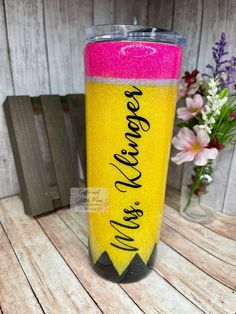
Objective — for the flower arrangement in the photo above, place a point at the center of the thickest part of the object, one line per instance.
(208, 117)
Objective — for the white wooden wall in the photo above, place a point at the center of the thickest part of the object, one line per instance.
(41, 46)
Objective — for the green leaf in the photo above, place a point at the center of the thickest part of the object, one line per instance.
(224, 93)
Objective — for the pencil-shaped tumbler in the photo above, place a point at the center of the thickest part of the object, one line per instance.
(132, 75)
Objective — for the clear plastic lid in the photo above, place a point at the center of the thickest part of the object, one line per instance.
(114, 32)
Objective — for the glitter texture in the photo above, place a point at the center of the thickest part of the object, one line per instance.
(106, 125)
(170, 82)
(134, 60)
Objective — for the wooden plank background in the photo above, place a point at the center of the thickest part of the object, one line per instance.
(28, 159)
(41, 52)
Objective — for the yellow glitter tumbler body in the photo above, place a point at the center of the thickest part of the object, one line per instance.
(131, 87)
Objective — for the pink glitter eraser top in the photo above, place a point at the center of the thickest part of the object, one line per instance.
(133, 60)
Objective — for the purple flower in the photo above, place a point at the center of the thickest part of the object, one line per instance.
(223, 69)
(230, 70)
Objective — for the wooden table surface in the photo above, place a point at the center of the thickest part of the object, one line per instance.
(44, 266)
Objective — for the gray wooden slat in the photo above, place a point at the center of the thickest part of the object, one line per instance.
(77, 111)
(160, 13)
(231, 26)
(189, 11)
(127, 10)
(9, 183)
(214, 19)
(80, 16)
(103, 12)
(65, 22)
(30, 168)
(43, 140)
(71, 138)
(51, 279)
(63, 158)
(229, 206)
(58, 44)
(26, 37)
(12, 277)
(214, 22)
(26, 50)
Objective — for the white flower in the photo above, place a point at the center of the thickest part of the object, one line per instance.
(224, 76)
(209, 98)
(205, 127)
(208, 178)
(208, 129)
(223, 100)
(213, 83)
(212, 120)
(213, 91)
(212, 108)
